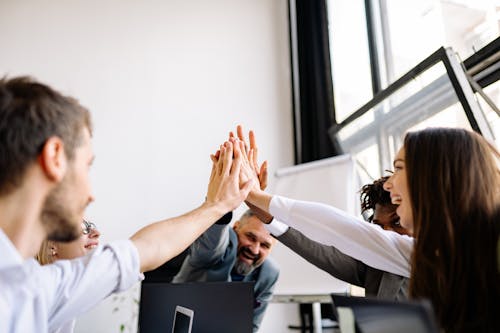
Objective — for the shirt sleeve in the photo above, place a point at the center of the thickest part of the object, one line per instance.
(210, 246)
(75, 286)
(276, 228)
(384, 250)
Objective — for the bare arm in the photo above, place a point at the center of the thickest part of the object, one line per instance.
(161, 241)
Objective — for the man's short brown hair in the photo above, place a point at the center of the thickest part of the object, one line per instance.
(31, 113)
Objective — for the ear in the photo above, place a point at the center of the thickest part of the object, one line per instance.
(53, 159)
(236, 225)
(52, 248)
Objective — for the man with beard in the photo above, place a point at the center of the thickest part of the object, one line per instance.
(240, 253)
(45, 157)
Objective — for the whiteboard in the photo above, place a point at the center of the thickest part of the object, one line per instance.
(332, 181)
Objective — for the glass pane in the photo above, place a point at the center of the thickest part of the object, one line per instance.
(493, 92)
(368, 164)
(417, 28)
(428, 100)
(453, 116)
(349, 56)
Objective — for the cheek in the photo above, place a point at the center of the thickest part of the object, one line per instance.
(265, 253)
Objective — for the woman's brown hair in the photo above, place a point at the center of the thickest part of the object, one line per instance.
(454, 184)
(44, 254)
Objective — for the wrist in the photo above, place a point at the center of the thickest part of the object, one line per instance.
(217, 208)
(259, 199)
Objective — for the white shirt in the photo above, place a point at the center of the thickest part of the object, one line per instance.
(36, 298)
(378, 248)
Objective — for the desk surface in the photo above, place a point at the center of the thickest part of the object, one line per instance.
(303, 298)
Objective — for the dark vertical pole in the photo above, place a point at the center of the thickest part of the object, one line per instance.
(372, 48)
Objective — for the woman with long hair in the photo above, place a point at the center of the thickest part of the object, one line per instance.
(447, 185)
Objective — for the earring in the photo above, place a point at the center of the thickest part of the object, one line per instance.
(53, 252)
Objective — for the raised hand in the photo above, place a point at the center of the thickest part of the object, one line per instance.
(247, 171)
(225, 188)
(252, 155)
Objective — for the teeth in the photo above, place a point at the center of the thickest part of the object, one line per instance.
(396, 200)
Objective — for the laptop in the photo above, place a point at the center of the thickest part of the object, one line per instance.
(222, 307)
(183, 320)
(382, 316)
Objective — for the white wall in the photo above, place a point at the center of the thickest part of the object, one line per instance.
(165, 81)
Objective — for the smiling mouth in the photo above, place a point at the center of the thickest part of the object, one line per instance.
(396, 199)
(246, 255)
(91, 246)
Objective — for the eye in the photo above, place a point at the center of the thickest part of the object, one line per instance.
(251, 237)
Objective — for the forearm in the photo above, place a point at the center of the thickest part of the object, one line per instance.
(326, 258)
(161, 241)
(259, 199)
(210, 246)
(262, 215)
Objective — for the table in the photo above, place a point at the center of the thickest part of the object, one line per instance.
(314, 299)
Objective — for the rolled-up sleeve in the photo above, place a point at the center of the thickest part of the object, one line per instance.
(75, 286)
(128, 264)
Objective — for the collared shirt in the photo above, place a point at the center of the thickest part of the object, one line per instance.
(36, 298)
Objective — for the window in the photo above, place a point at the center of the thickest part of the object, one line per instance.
(424, 97)
(416, 28)
(405, 33)
(349, 56)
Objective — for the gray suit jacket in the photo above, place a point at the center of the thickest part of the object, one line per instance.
(328, 258)
(212, 257)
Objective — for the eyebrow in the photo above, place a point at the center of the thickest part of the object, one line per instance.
(398, 160)
(251, 234)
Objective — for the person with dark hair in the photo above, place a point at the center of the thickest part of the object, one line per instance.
(239, 253)
(446, 184)
(378, 201)
(45, 157)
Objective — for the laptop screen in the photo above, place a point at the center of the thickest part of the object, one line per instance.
(222, 307)
(384, 316)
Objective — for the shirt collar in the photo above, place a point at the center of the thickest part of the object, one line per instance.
(9, 257)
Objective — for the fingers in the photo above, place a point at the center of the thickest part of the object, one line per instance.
(241, 137)
(235, 168)
(253, 146)
(253, 142)
(220, 163)
(239, 131)
(227, 158)
(244, 156)
(263, 176)
(214, 168)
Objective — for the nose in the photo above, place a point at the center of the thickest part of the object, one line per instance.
(255, 248)
(388, 184)
(94, 233)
